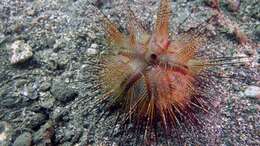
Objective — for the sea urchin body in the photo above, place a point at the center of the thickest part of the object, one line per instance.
(152, 78)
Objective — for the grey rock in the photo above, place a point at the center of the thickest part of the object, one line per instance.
(52, 65)
(34, 120)
(258, 50)
(62, 61)
(29, 91)
(58, 114)
(21, 52)
(59, 44)
(5, 133)
(2, 37)
(24, 139)
(62, 92)
(67, 144)
(233, 5)
(91, 51)
(45, 86)
(255, 13)
(92, 35)
(30, 11)
(48, 102)
(94, 46)
(44, 135)
(68, 134)
(20, 83)
(10, 101)
(257, 30)
(252, 91)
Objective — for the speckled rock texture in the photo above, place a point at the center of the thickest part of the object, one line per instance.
(49, 96)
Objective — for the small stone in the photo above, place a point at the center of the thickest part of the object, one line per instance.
(5, 133)
(44, 135)
(91, 51)
(67, 144)
(257, 30)
(29, 91)
(34, 120)
(21, 52)
(233, 5)
(63, 93)
(249, 52)
(10, 101)
(241, 37)
(30, 11)
(59, 44)
(2, 36)
(48, 103)
(91, 35)
(252, 91)
(45, 86)
(58, 114)
(212, 3)
(94, 46)
(258, 50)
(20, 83)
(256, 14)
(24, 139)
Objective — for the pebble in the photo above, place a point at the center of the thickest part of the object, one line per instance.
(91, 35)
(10, 101)
(2, 36)
(258, 50)
(5, 133)
(24, 139)
(257, 30)
(45, 86)
(63, 93)
(94, 46)
(44, 135)
(91, 51)
(21, 52)
(30, 11)
(58, 114)
(34, 120)
(255, 14)
(59, 44)
(233, 5)
(29, 91)
(48, 102)
(67, 144)
(252, 91)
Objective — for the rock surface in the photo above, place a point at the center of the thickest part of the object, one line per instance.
(24, 139)
(5, 133)
(63, 93)
(252, 91)
(21, 52)
(44, 135)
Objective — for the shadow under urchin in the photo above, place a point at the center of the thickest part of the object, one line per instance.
(156, 87)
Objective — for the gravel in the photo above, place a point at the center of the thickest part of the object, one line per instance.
(24, 139)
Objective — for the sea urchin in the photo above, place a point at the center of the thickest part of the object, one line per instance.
(151, 78)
